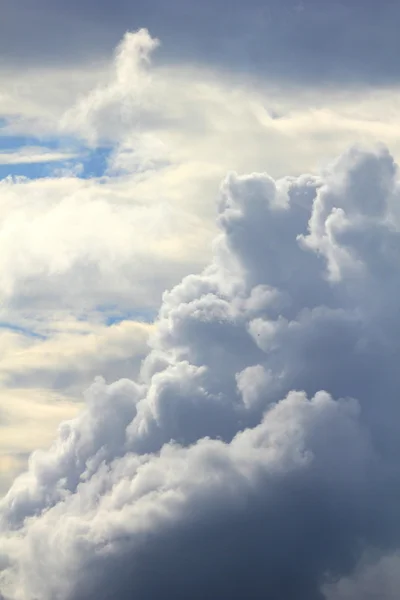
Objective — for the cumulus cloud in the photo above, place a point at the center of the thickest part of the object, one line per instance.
(256, 454)
(44, 366)
(259, 435)
(193, 119)
(29, 418)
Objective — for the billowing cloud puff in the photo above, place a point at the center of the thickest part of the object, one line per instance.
(108, 111)
(257, 454)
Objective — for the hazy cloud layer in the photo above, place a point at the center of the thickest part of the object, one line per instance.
(210, 475)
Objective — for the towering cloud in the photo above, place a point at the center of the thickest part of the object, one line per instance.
(257, 455)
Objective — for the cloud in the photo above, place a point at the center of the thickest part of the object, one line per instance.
(11, 465)
(34, 155)
(51, 259)
(207, 454)
(191, 121)
(108, 109)
(28, 420)
(210, 475)
(377, 578)
(44, 366)
(65, 353)
(161, 117)
(305, 41)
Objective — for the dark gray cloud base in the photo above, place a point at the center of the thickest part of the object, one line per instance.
(211, 476)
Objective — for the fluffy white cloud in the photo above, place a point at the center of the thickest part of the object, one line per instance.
(71, 243)
(208, 463)
(173, 132)
(184, 114)
(210, 475)
(44, 366)
(29, 418)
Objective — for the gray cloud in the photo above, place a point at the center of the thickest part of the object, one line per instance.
(293, 40)
(210, 475)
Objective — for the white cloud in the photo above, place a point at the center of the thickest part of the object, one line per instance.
(163, 484)
(31, 155)
(174, 131)
(196, 116)
(76, 243)
(42, 376)
(206, 451)
(72, 353)
(29, 419)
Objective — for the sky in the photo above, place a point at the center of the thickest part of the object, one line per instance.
(199, 324)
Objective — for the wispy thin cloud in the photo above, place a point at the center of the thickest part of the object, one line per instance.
(31, 155)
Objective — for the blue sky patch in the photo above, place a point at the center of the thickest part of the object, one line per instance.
(78, 160)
